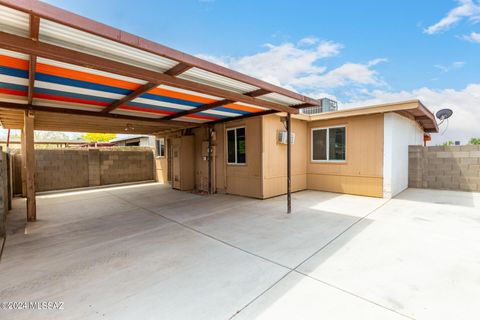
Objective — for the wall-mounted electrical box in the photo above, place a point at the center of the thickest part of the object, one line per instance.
(282, 137)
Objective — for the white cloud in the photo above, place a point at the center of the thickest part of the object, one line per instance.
(469, 9)
(221, 61)
(346, 74)
(299, 66)
(302, 67)
(465, 103)
(328, 49)
(374, 62)
(308, 41)
(453, 66)
(472, 37)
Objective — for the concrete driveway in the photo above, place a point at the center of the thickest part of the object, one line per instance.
(148, 252)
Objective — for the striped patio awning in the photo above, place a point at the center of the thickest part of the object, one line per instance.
(55, 62)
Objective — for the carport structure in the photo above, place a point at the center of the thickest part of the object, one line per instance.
(64, 72)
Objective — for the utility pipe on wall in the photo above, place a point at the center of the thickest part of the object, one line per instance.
(8, 139)
(209, 155)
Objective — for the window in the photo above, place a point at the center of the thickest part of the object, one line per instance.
(160, 147)
(132, 143)
(328, 144)
(236, 146)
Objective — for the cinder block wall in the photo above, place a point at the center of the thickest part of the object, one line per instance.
(126, 166)
(3, 194)
(445, 167)
(58, 169)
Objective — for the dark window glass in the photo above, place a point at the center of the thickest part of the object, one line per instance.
(319, 150)
(157, 147)
(132, 144)
(231, 146)
(236, 145)
(160, 147)
(241, 152)
(336, 144)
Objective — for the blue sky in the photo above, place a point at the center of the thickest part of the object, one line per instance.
(359, 52)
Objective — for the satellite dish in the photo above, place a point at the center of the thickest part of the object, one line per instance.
(444, 114)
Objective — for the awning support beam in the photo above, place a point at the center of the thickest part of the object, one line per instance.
(289, 163)
(29, 163)
(31, 77)
(215, 104)
(204, 107)
(170, 123)
(257, 93)
(32, 68)
(135, 94)
(256, 114)
(178, 69)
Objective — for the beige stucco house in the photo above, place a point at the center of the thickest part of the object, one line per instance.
(361, 151)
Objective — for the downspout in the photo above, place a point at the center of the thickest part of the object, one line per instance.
(209, 155)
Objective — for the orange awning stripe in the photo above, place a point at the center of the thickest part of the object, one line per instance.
(14, 62)
(84, 76)
(242, 107)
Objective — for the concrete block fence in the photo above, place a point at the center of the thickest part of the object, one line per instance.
(3, 194)
(58, 169)
(445, 167)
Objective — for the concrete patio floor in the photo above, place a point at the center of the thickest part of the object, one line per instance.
(148, 252)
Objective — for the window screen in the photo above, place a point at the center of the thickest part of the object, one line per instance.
(241, 145)
(319, 139)
(231, 146)
(336, 144)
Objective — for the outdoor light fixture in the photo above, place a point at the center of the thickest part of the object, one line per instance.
(129, 127)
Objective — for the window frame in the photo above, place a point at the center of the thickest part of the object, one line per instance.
(327, 136)
(158, 155)
(236, 163)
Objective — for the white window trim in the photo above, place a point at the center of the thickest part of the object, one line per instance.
(226, 140)
(327, 144)
(164, 148)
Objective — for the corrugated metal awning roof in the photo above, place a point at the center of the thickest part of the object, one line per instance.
(54, 60)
